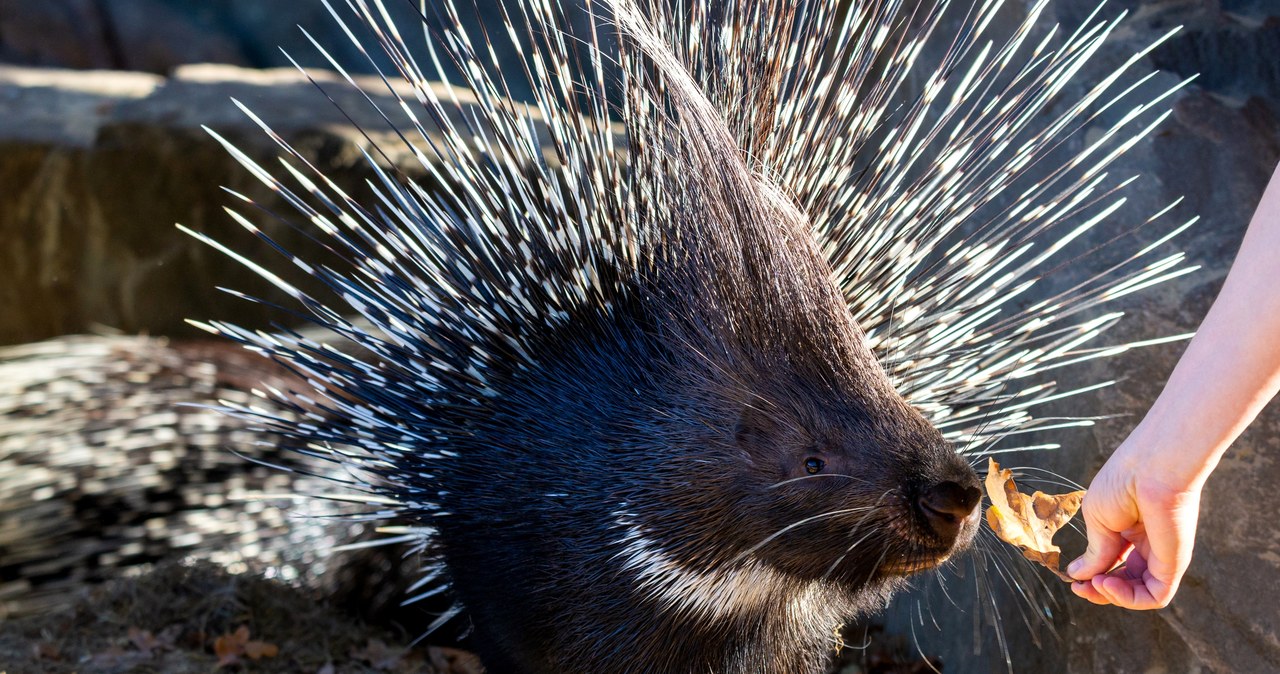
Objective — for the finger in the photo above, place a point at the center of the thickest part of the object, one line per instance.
(1085, 590)
(1127, 594)
(1133, 568)
(1105, 548)
(1170, 531)
(1137, 594)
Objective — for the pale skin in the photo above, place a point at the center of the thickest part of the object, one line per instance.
(1142, 507)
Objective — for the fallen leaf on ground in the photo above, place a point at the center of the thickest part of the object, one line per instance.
(454, 661)
(229, 647)
(1029, 522)
(149, 643)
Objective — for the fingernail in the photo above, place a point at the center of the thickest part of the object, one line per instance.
(1074, 566)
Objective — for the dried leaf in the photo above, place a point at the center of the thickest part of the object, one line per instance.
(1029, 522)
(453, 661)
(256, 650)
(230, 647)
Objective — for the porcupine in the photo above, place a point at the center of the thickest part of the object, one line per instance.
(111, 461)
(686, 312)
(101, 471)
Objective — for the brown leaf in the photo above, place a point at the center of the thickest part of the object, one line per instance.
(229, 647)
(1029, 522)
(256, 650)
(453, 661)
(149, 643)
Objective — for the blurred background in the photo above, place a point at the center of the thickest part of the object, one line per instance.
(101, 152)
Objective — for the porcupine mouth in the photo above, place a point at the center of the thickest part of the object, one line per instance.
(921, 549)
(911, 565)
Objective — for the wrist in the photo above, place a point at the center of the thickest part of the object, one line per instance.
(1172, 452)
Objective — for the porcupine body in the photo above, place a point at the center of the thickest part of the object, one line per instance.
(627, 395)
(102, 472)
(111, 461)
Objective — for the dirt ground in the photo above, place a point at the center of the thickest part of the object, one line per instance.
(183, 619)
(189, 618)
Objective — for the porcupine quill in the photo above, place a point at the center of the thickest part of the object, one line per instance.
(108, 468)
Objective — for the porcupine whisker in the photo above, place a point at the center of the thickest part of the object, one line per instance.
(1033, 599)
(919, 650)
(1001, 638)
(1004, 574)
(884, 554)
(1008, 565)
(793, 525)
(942, 585)
(980, 580)
(810, 477)
(920, 609)
(979, 573)
(932, 618)
(852, 532)
(915, 641)
(835, 564)
(866, 640)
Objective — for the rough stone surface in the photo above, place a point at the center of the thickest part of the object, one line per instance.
(158, 36)
(99, 165)
(154, 35)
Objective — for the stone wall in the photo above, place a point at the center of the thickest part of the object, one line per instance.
(99, 165)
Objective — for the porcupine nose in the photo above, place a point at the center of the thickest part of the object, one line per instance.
(946, 505)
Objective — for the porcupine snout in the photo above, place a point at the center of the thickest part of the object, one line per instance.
(948, 505)
(942, 493)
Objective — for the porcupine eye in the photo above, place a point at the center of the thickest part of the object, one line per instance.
(814, 465)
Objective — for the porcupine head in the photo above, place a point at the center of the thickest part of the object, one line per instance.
(629, 399)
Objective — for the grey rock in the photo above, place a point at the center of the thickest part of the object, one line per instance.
(158, 36)
(98, 166)
(149, 35)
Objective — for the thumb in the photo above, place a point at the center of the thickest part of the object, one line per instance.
(1105, 548)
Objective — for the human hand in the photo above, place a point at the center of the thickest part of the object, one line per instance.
(1145, 501)
(1141, 519)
